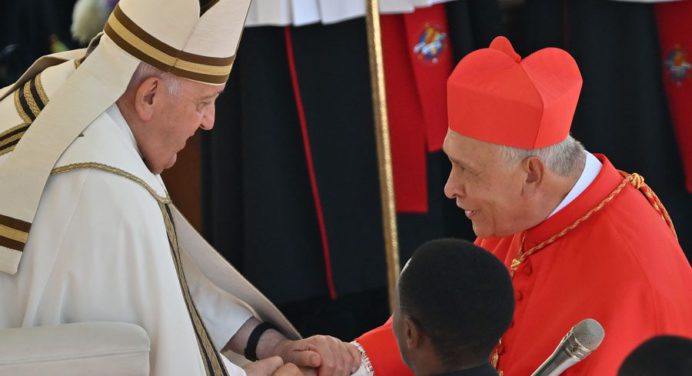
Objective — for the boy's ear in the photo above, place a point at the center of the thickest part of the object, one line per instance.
(413, 333)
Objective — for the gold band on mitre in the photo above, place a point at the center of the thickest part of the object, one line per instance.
(144, 46)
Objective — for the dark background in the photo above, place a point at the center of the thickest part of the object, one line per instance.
(246, 185)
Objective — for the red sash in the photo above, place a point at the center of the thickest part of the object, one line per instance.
(417, 62)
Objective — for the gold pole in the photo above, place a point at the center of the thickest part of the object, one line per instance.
(384, 155)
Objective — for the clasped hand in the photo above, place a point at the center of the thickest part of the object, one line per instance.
(317, 355)
(327, 355)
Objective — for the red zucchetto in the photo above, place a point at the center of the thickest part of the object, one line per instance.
(495, 96)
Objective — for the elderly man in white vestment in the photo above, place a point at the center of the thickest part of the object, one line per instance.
(87, 231)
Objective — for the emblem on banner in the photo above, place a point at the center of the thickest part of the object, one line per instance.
(430, 44)
(678, 65)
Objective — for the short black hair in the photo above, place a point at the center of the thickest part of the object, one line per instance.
(460, 296)
(660, 355)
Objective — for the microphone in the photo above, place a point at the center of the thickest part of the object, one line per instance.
(577, 344)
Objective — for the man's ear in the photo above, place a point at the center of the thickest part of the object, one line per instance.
(535, 170)
(414, 334)
(146, 95)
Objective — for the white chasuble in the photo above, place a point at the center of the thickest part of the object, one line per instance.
(99, 250)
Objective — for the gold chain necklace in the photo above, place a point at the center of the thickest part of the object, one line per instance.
(635, 180)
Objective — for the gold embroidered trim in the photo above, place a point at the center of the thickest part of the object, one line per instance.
(522, 256)
(8, 144)
(4, 134)
(164, 58)
(144, 46)
(13, 234)
(8, 140)
(638, 182)
(6, 150)
(112, 170)
(210, 356)
(635, 180)
(20, 110)
(39, 89)
(30, 100)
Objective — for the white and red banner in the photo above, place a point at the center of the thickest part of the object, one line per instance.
(675, 33)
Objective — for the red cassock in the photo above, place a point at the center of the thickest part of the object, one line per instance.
(622, 266)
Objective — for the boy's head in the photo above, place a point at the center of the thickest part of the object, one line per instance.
(660, 355)
(455, 300)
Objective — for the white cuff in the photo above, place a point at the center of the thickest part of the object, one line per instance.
(365, 365)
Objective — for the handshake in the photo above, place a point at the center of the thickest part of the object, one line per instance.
(316, 355)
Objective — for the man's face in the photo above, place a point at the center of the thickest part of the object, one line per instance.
(488, 189)
(175, 119)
